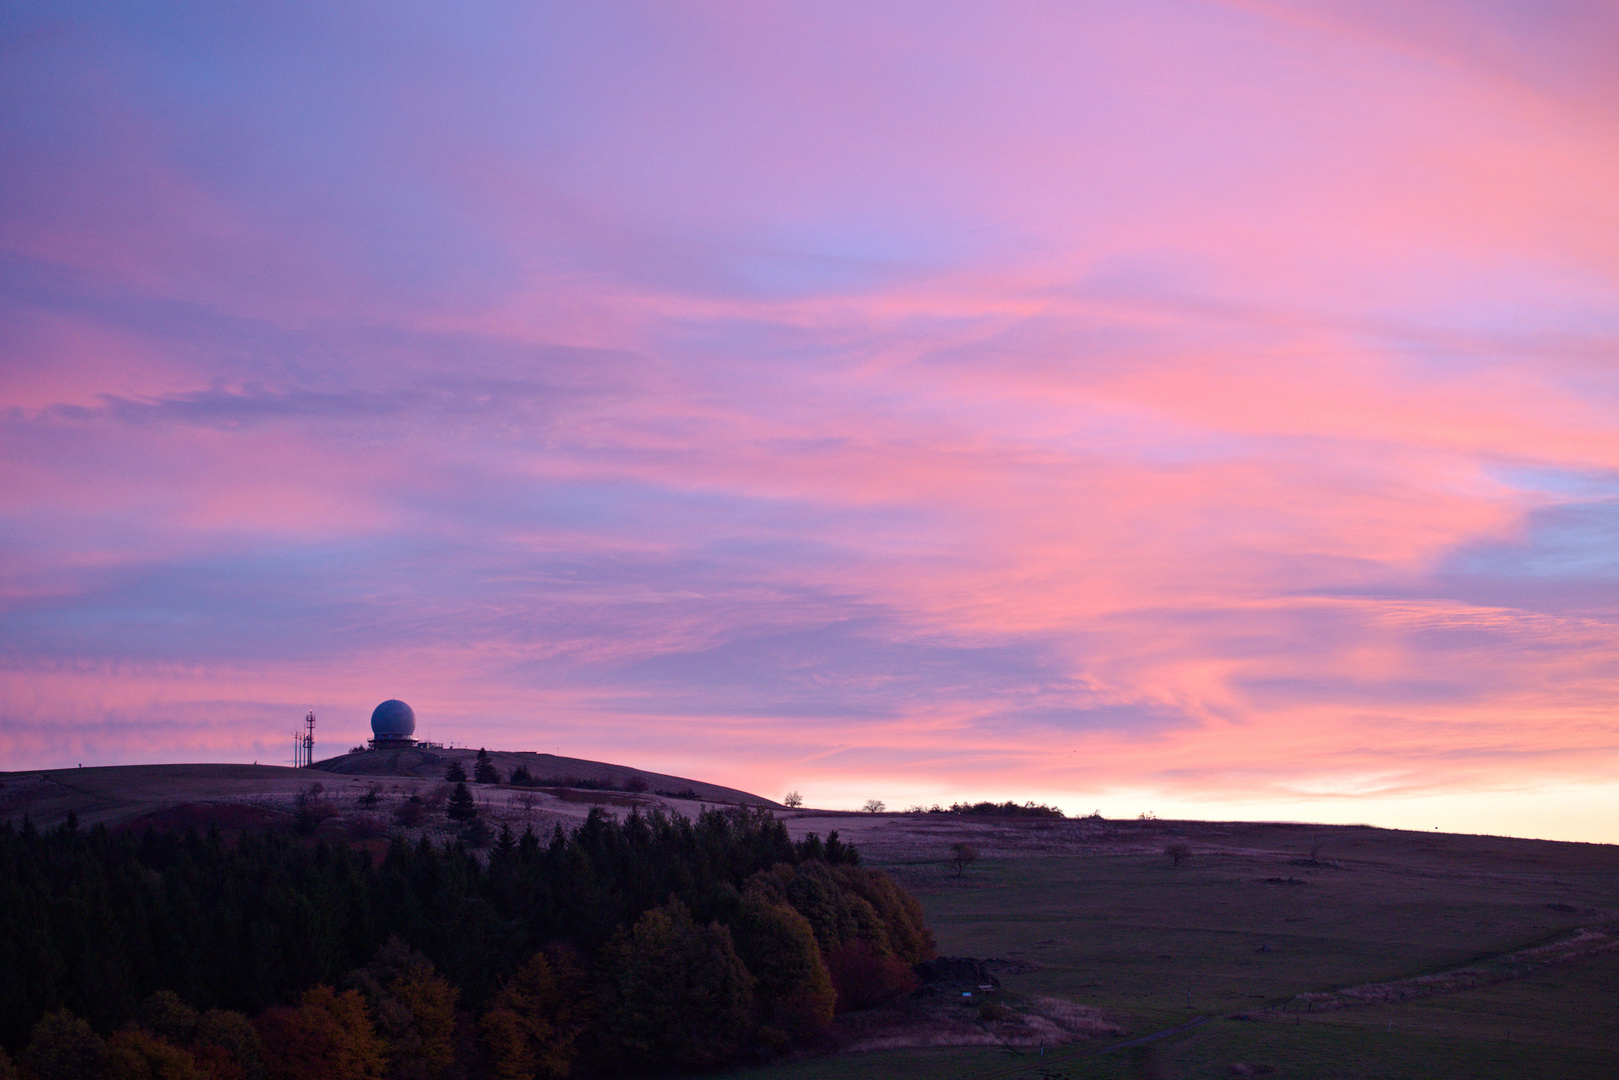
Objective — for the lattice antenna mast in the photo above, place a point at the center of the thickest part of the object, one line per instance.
(306, 752)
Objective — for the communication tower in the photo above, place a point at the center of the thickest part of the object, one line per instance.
(303, 746)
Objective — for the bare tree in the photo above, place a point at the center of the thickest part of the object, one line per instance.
(875, 806)
(1178, 851)
(962, 855)
(792, 800)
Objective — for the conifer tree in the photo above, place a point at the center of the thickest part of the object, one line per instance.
(454, 773)
(484, 770)
(461, 807)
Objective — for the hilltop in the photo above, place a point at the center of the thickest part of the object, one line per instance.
(548, 769)
(352, 791)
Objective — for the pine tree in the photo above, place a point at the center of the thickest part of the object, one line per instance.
(484, 771)
(455, 774)
(461, 806)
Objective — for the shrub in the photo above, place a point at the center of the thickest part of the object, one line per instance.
(411, 811)
(1178, 851)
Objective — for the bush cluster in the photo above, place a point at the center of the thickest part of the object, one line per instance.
(521, 777)
(1005, 809)
(623, 946)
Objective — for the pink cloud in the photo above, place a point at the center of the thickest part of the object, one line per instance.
(1203, 400)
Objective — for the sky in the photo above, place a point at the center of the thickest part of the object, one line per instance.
(1207, 409)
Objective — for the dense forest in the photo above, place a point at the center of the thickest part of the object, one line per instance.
(649, 944)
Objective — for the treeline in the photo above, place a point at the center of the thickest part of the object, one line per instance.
(643, 944)
(485, 772)
(1004, 809)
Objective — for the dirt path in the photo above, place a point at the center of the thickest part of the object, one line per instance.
(1580, 943)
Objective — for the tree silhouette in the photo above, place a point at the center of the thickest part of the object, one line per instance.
(963, 855)
(454, 773)
(461, 807)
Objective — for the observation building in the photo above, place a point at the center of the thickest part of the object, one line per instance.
(393, 726)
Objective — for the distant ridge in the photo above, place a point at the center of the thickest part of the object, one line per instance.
(430, 765)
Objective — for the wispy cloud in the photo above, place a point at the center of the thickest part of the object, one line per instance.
(1199, 401)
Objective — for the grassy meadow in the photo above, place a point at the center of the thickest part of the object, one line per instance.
(1246, 925)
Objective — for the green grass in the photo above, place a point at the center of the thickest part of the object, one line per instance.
(1138, 938)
